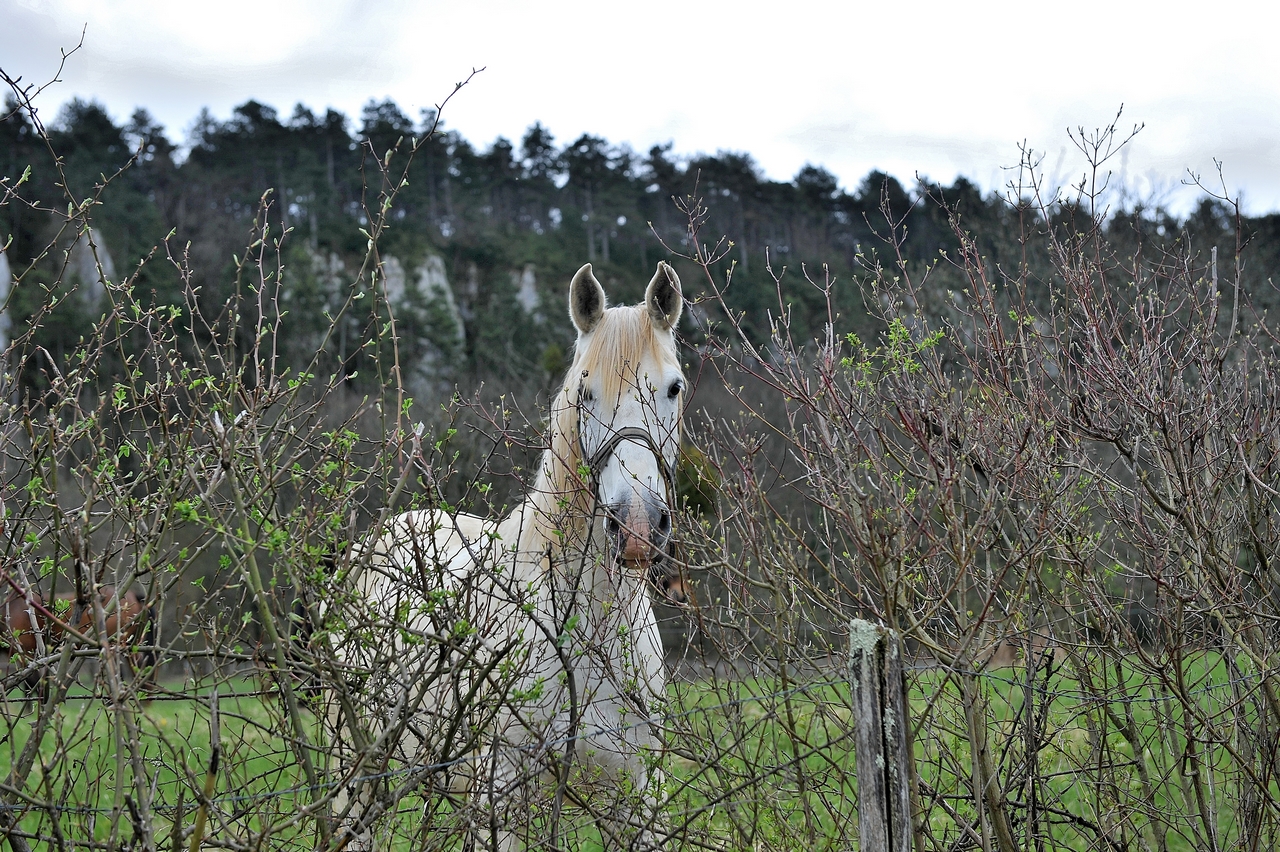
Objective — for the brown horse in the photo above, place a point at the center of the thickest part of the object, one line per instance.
(26, 623)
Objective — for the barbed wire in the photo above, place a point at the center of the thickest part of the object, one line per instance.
(1094, 698)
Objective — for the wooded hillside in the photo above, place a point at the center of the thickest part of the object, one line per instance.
(508, 225)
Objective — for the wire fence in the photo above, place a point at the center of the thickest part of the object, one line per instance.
(426, 769)
(716, 721)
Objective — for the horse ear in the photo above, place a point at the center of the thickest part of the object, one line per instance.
(663, 298)
(586, 300)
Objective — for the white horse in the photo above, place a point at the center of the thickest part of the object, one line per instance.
(519, 660)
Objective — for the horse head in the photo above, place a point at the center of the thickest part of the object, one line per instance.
(627, 389)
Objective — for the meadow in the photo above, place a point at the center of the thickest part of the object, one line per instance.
(751, 764)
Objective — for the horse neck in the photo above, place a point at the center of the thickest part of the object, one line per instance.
(562, 501)
(562, 505)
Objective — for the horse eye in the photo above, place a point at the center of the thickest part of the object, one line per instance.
(587, 395)
(674, 390)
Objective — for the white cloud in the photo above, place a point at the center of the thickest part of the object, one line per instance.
(936, 88)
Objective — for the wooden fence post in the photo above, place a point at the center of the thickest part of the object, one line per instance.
(880, 714)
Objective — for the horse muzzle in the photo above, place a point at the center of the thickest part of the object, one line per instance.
(639, 533)
(647, 553)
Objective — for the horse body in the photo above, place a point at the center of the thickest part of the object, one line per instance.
(531, 640)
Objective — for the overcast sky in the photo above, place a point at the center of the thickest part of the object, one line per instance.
(930, 89)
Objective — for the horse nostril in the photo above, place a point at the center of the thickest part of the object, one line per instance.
(613, 526)
(664, 522)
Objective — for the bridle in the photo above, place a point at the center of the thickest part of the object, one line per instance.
(597, 460)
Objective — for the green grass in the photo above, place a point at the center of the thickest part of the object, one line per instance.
(764, 764)
(1091, 791)
(81, 767)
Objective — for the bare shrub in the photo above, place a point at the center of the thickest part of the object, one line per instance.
(179, 453)
(1056, 480)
